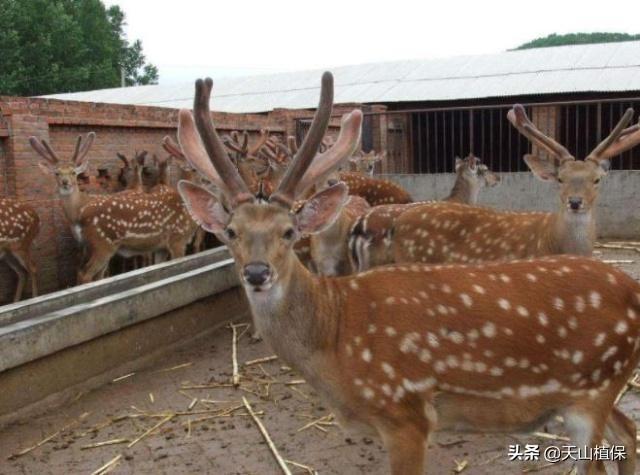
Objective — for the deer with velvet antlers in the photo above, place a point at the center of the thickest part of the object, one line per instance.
(126, 224)
(407, 350)
(451, 232)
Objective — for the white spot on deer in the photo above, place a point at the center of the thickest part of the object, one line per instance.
(577, 357)
(504, 304)
(531, 277)
(388, 370)
(354, 284)
(357, 382)
(371, 329)
(386, 389)
(595, 376)
(366, 355)
(390, 300)
(349, 349)
(466, 300)
(439, 366)
(478, 289)
(599, 340)
(390, 331)
(425, 355)
(540, 339)
(505, 278)
(621, 327)
(543, 319)
(562, 332)
(442, 309)
(432, 340)
(357, 340)
(408, 343)
(609, 353)
(446, 288)
(496, 371)
(558, 303)
(489, 330)
(452, 361)
(631, 314)
(510, 362)
(368, 393)
(522, 311)
(611, 278)
(595, 299)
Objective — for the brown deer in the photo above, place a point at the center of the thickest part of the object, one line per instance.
(365, 162)
(376, 191)
(19, 226)
(509, 345)
(453, 232)
(126, 224)
(131, 175)
(471, 176)
(371, 236)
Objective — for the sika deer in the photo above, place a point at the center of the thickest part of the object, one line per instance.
(370, 240)
(126, 224)
(407, 350)
(365, 163)
(471, 176)
(19, 226)
(451, 232)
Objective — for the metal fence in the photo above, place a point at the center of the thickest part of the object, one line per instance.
(428, 140)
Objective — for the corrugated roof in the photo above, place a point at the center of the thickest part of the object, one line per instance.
(565, 69)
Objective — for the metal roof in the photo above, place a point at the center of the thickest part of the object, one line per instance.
(564, 69)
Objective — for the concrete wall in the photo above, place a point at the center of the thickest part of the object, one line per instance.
(618, 209)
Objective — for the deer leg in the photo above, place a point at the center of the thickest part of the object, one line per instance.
(20, 272)
(97, 262)
(620, 430)
(406, 446)
(23, 256)
(586, 430)
(177, 249)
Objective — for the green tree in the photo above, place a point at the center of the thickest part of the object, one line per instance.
(49, 46)
(577, 39)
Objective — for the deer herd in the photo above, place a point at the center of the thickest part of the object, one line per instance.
(406, 317)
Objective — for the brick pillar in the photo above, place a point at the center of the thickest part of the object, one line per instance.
(30, 185)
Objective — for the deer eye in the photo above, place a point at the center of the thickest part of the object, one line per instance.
(560, 180)
(288, 234)
(596, 181)
(230, 234)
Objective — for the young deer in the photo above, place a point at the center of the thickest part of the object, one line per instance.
(452, 232)
(131, 175)
(126, 224)
(19, 226)
(371, 236)
(471, 176)
(407, 350)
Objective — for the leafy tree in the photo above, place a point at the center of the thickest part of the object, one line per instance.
(49, 46)
(578, 39)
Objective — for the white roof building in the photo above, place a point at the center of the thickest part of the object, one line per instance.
(610, 67)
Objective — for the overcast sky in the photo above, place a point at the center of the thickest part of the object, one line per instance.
(191, 38)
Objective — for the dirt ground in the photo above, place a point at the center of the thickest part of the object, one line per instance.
(199, 423)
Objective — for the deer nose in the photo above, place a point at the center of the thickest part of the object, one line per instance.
(257, 273)
(575, 202)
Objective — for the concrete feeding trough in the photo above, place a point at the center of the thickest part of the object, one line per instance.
(52, 344)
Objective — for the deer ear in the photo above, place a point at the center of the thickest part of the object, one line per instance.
(322, 209)
(545, 170)
(459, 163)
(605, 165)
(82, 166)
(203, 207)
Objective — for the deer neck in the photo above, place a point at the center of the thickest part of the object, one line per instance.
(573, 233)
(73, 203)
(296, 316)
(464, 190)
